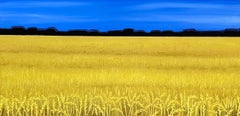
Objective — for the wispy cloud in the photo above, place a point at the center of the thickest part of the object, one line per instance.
(34, 4)
(161, 5)
(197, 19)
(28, 18)
(196, 13)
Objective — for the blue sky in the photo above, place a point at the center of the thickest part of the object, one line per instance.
(110, 15)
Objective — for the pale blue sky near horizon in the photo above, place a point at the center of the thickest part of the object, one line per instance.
(112, 15)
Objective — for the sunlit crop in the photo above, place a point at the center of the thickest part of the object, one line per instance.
(119, 76)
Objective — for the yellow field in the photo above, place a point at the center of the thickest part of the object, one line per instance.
(119, 76)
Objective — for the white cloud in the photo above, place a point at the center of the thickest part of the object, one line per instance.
(159, 5)
(33, 4)
(197, 19)
(26, 18)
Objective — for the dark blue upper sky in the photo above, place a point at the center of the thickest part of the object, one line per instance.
(109, 14)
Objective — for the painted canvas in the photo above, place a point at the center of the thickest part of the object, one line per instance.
(119, 58)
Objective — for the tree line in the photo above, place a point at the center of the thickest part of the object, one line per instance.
(20, 30)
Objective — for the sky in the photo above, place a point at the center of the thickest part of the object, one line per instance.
(113, 15)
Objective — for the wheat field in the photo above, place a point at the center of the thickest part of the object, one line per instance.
(119, 76)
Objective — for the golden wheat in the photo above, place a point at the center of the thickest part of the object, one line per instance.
(119, 76)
